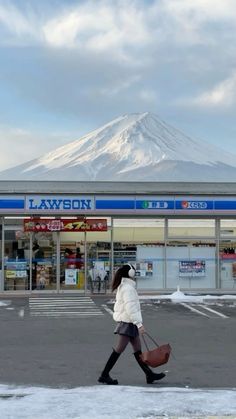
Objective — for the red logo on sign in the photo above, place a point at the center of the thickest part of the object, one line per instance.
(184, 204)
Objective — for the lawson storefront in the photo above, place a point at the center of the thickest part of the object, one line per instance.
(72, 236)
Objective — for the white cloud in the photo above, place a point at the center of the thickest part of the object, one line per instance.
(18, 24)
(119, 86)
(222, 95)
(19, 145)
(120, 28)
(110, 29)
(148, 96)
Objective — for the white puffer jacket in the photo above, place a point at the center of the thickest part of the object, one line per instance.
(127, 305)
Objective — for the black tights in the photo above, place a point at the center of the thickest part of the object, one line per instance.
(123, 342)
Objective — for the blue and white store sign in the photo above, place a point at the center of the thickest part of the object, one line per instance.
(52, 203)
(10, 203)
(116, 204)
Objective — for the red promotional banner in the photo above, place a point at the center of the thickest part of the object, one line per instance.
(81, 224)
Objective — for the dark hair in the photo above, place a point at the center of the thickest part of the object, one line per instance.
(120, 273)
(68, 251)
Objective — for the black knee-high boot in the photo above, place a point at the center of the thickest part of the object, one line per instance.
(150, 375)
(105, 377)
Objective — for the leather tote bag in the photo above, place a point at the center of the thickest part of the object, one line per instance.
(155, 357)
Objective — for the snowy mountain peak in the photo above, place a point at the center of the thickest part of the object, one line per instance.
(138, 146)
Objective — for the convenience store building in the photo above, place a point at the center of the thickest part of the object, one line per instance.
(71, 236)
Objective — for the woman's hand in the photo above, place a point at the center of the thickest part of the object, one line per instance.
(141, 330)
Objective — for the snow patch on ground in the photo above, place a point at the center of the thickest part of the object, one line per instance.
(114, 402)
(179, 297)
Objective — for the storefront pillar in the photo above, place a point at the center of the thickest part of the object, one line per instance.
(112, 252)
(218, 282)
(85, 263)
(165, 253)
(30, 259)
(3, 256)
(58, 267)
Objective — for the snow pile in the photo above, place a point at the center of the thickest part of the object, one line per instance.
(116, 402)
(4, 303)
(179, 297)
(132, 147)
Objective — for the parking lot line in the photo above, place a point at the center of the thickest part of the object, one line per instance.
(214, 311)
(107, 309)
(194, 309)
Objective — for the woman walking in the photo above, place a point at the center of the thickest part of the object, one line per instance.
(127, 314)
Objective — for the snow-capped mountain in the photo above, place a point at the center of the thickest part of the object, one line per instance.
(135, 147)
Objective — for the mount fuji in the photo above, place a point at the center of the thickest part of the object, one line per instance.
(133, 147)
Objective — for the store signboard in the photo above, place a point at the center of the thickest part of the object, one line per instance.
(53, 203)
(65, 225)
(155, 203)
(12, 203)
(116, 204)
(192, 268)
(113, 203)
(194, 205)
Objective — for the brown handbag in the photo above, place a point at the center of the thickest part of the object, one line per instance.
(155, 357)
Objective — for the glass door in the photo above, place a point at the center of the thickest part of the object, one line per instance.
(16, 255)
(72, 261)
(98, 249)
(44, 261)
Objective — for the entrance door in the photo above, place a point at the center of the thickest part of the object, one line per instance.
(16, 273)
(99, 272)
(44, 261)
(72, 261)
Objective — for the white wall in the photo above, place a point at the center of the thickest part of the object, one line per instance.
(174, 254)
(156, 256)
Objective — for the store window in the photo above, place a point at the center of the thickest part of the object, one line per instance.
(191, 264)
(191, 254)
(16, 255)
(86, 255)
(99, 260)
(1, 274)
(141, 241)
(191, 228)
(227, 254)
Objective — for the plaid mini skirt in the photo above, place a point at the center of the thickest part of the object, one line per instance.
(126, 329)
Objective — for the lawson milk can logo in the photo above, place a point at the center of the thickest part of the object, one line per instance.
(59, 203)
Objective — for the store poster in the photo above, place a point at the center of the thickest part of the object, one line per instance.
(234, 270)
(71, 276)
(144, 269)
(192, 268)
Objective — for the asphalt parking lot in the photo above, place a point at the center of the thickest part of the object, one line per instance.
(64, 341)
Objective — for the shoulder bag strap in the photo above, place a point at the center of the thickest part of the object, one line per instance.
(150, 337)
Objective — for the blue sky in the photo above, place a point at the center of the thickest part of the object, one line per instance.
(67, 67)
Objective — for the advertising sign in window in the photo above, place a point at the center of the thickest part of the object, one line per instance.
(73, 225)
(192, 268)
